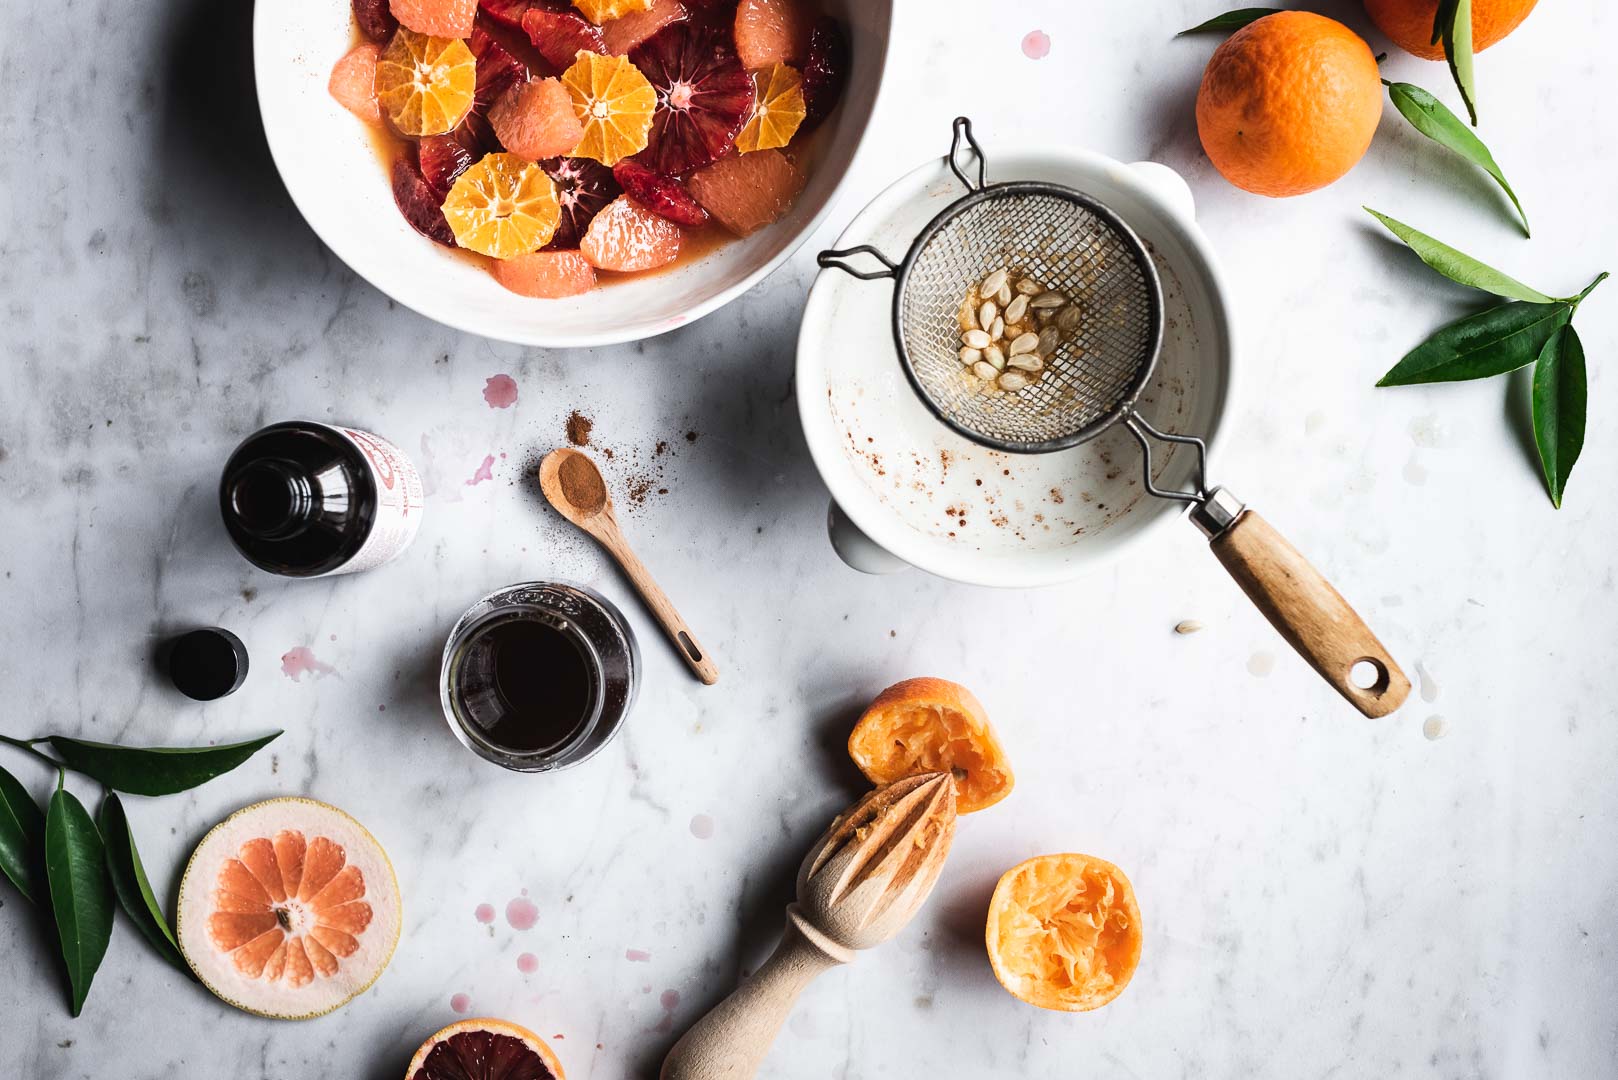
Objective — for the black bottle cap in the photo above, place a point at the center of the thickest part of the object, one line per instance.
(207, 664)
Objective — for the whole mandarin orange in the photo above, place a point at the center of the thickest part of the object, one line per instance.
(1289, 103)
(1410, 22)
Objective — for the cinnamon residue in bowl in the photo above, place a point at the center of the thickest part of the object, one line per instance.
(581, 483)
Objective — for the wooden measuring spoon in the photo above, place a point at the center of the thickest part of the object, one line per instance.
(572, 483)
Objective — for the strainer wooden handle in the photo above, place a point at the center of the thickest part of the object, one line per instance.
(1312, 616)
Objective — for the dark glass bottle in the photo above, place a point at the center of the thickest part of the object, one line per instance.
(306, 499)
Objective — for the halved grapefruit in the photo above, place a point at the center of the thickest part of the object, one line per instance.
(288, 909)
(485, 1048)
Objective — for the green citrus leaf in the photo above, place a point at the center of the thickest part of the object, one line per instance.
(22, 839)
(153, 770)
(1459, 266)
(1433, 119)
(1491, 342)
(1560, 395)
(1454, 29)
(129, 882)
(81, 892)
(1230, 20)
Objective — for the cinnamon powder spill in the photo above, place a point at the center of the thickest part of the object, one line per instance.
(578, 428)
(582, 484)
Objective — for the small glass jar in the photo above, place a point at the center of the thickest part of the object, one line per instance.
(533, 648)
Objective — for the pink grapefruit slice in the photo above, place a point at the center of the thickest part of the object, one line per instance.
(288, 909)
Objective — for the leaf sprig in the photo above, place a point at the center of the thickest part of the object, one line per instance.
(76, 865)
(1532, 328)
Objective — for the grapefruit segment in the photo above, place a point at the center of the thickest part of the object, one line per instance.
(546, 275)
(487, 1049)
(746, 192)
(353, 82)
(440, 18)
(288, 909)
(771, 32)
(626, 237)
(624, 33)
(536, 120)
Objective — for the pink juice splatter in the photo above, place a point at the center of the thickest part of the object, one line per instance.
(485, 471)
(702, 827)
(637, 956)
(500, 391)
(522, 913)
(670, 1000)
(527, 963)
(1036, 45)
(484, 913)
(300, 660)
(460, 1003)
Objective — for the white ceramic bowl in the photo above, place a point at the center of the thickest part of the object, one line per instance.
(332, 169)
(907, 490)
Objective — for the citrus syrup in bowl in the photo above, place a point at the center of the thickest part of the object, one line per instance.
(539, 676)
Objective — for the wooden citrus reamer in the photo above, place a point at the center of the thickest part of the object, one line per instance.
(858, 886)
(1083, 250)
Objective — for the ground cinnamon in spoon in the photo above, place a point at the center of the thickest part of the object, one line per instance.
(581, 483)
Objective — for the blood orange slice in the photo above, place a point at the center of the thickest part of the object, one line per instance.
(486, 1049)
(583, 187)
(703, 96)
(288, 909)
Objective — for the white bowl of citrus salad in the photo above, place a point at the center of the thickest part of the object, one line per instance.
(566, 172)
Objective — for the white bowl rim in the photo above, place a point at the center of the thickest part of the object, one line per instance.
(885, 530)
(448, 315)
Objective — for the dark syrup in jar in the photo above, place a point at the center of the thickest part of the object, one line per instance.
(525, 685)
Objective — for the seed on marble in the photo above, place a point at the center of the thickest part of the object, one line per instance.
(1187, 626)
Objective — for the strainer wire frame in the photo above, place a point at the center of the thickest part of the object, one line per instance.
(1124, 409)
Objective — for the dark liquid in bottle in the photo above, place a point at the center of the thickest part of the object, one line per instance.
(524, 685)
(297, 499)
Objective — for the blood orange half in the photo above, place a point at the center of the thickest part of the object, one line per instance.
(487, 1049)
(288, 909)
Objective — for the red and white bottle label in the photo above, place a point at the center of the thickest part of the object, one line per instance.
(399, 501)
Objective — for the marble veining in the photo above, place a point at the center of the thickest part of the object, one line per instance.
(1323, 895)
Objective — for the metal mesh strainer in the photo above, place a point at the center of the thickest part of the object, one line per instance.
(1071, 243)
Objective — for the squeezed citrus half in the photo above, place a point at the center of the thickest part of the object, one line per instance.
(932, 725)
(1064, 932)
(425, 84)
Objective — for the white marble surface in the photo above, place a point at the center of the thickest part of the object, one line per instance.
(1323, 895)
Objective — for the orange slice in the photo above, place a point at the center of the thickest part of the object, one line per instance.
(615, 104)
(778, 109)
(503, 206)
(288, 909)
(932, 725)
(600, 11)
(1064, 932)
(425, 84)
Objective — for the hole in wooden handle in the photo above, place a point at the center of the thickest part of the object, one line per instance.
(690, 647)
(1370, 675)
